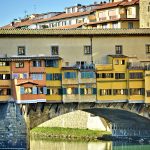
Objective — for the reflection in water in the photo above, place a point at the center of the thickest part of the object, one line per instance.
(101, 145)
(59, 145)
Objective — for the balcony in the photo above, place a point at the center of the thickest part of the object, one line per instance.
(137, 66)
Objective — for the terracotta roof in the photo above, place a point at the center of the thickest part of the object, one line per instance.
(115, 4)
(18, 24)
(126, 3)
(107, 5)
(63, 16)
(26, 82)
(74, 26)
(70, 32)
(9, 26)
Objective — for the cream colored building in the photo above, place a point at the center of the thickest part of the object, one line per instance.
(144, 13)
(75, 45)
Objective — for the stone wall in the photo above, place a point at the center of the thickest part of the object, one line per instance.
(13, 133)
(77, 119)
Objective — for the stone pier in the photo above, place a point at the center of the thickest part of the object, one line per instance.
(13, 133)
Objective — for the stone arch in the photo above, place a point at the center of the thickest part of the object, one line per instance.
(123, 122)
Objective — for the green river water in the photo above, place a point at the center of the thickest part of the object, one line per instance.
(100, 145)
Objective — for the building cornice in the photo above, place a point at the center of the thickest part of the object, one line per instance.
(72, 32)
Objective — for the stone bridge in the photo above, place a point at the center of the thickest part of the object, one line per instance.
(126, 119)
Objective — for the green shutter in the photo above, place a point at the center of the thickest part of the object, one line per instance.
(94, 91)
(76, 91)
(64, 91)
(82, 91)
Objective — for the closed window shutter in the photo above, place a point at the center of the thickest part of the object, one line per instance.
(66, 75)
(143, 91)
(64, 91)
(94, 91)
(44, 90)
(34, 90)
(82, 91)
(60, 76)
(21, 90)
(76, 91)
(126, 92)
(47, 76)
(60, 91)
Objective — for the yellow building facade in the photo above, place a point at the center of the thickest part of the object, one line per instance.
(53, 79)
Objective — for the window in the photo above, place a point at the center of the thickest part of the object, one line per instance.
(104, 75)
(104, 26)
(130, 25)
(21, 50)
(119, 49)
(116, 62)
(3, 63)
(88, 91)
(27, 90)
(129, 11)
(115, 25)
(148, 93)
(120, 92)
(147, 48)
(5, 91)
(70, 75)
(87, 75)
(137, 91)
(105, 92)
(19, 64)
(122, 62)
(54, 76)
(54, 50)
(51, 63)
(87, 50)
(37, 76)
(72, 90)
(37, 63)
(19, 76)
(148, 8)
(33, 90)
(53, 91)
(136, 75)
(4, 76)
(119, 75)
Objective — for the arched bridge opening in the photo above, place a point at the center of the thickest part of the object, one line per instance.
(124, 121)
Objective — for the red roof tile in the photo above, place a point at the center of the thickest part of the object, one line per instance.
(115, 4)
(74, 26)
(63, 16)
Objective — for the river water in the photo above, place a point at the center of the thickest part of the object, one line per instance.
(100, 145)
